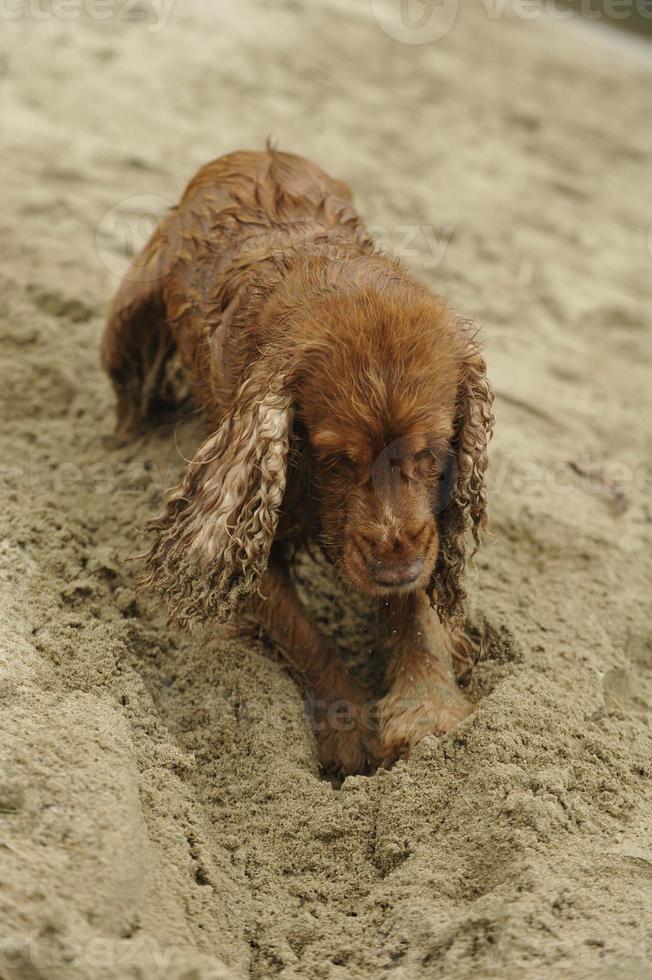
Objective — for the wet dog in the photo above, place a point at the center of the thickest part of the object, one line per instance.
(348, 408)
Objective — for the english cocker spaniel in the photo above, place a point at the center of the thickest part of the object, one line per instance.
(348, 408)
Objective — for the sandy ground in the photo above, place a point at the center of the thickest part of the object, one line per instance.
(161, 812)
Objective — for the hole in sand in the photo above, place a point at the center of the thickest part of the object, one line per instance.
(494, 649)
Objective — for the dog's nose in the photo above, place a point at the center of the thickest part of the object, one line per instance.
(395, 574)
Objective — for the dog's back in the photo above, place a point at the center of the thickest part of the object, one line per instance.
(239, 223)
(270, 183)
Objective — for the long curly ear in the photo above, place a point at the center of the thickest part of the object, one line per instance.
(212, 541)
(467, 509)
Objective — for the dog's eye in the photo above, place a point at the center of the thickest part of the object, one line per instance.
(426, 462)
(340, 461)
(401, 470)
(431, 468)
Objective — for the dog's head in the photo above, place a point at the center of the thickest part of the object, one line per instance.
(396, 420)
(389, 410)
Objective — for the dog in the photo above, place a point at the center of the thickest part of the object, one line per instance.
(348, 409)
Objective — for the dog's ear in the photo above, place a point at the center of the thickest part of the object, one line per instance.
(212, 541)
(466, 510)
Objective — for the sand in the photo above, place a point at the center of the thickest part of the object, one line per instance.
(161, 811)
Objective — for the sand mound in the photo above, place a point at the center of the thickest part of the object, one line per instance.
(160, 806)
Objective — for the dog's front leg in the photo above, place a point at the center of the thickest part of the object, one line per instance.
(423, 696)
(339, 709)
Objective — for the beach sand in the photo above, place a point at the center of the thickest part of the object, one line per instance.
(161, 811)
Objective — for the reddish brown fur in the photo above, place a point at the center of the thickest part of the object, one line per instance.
(348, 407)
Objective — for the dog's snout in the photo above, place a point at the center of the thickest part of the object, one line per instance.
(394, 561)
(396, 573)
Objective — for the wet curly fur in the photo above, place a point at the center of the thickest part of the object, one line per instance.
(348, 408)
(238, 477)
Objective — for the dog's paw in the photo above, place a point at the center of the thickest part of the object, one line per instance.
(405, 718)
(348, 753)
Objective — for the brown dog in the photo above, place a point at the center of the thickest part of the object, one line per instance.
(348, 407)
